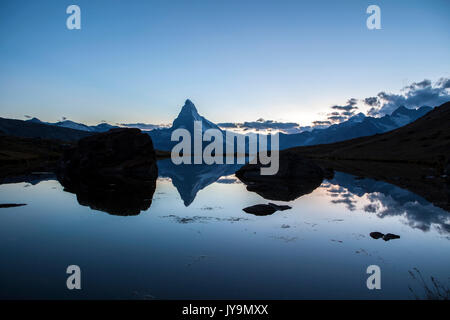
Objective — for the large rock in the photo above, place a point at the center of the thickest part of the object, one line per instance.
(113, 171)
(296, 176)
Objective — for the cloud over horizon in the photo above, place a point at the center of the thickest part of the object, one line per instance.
(343, 113)
(417, 94)
(263, 125)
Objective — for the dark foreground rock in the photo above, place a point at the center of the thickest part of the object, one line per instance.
(385, 237)
(114, 171)
(11, 205)
(296, 176)
(265, 209)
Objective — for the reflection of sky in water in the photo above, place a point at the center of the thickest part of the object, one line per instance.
(387, 200)
(212, 249)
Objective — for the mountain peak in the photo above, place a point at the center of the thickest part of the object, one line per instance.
(188, 115)
(400, 110)
(189, 106)
(35, 120)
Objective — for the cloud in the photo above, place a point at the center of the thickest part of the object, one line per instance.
(143, 126)
(346, 108)
(352, 101)
(269, 124)
(417, 94)
(337, 118)
(321, 123)
(227, 125)
(264, 125)
(372, 101)
(344, 112)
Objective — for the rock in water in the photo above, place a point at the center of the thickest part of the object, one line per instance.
(265, 209)
(260, 209)
(114, 171)
(376, 235)
(11, 205)
(296, 176)
(390, 236)
(385, 237)
(278, 207)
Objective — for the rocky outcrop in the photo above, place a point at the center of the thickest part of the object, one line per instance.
(265, 209)
(296, 176)
(114, 171)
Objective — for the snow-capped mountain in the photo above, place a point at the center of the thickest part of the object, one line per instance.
(357, 126)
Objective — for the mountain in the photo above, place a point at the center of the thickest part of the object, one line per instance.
(426, 140)
(190, 179)
(34, 128)
(188, 115)
(357, 126)
(184, 120)
(102, 127)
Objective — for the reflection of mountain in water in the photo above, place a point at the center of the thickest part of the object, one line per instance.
(190, 179)
(388, 200)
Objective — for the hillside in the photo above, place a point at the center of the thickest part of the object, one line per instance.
(25, 155)
(29, 129)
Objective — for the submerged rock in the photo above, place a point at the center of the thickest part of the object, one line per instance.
(114, 171)
(385, 237)
(296, 176)
(265, 209)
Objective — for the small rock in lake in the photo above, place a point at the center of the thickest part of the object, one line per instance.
(265, 209)
(385, 237)
(260, 209)
(11, 205)
(390, 236)
(376, 235)
(280, 208)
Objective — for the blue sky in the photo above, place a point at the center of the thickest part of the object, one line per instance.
(137, 61)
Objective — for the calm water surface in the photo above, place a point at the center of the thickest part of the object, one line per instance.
(195, 242)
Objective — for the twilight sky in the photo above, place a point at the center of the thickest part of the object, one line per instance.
(137, 61)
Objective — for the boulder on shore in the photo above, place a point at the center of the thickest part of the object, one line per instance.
(296, 176)
(114, 171)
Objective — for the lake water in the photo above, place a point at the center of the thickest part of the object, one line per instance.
(195, 242)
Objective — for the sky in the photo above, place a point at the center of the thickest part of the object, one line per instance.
(288, 61)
